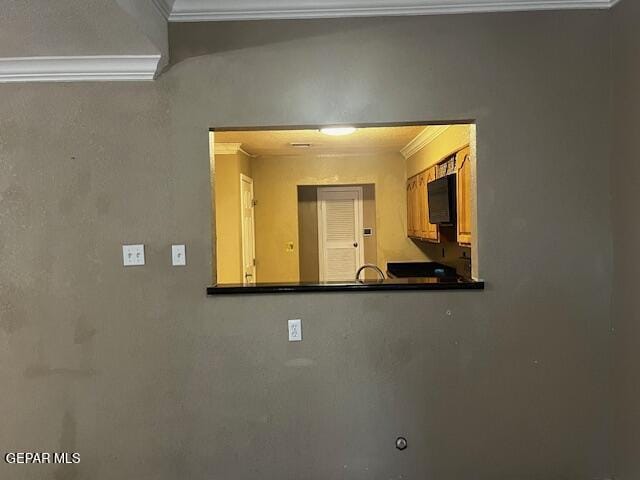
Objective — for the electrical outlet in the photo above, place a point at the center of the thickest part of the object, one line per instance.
(178, 255)
(295, 330)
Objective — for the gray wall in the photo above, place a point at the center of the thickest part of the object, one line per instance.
(69, 27)
(625, 168)
(149, 379)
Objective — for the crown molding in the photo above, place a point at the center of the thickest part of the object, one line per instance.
(202, 10)
(230, 149)
(79, 68)
(424, 138)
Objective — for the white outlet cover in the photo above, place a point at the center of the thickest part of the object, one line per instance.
(132, 255)
(295, 330)
(178, 255)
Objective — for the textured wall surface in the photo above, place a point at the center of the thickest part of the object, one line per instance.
(149, 379)
(625, 167)
(69, 27)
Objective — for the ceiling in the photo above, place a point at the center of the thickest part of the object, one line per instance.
(208, 10)
(278, 142)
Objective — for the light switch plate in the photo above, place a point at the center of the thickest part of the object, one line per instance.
(295, 330)
(178, 255)
(132, 255)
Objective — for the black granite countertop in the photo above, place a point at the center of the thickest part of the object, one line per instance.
(420, 283)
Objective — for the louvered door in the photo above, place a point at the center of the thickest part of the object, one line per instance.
(340, 232)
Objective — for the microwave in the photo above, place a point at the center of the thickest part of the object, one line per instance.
(442, 200)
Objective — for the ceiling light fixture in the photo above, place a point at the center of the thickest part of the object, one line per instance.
(337, 131)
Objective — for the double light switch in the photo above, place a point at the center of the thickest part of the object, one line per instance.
(132, 255)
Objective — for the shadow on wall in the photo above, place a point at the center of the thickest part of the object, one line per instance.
(187, 40)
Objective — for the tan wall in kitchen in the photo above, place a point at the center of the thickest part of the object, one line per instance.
(228, 168)
(275, 184)
(369, 220)
(451, 140)
(308, 234)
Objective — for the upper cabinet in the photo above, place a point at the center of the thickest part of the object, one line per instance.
(429, 231)
(415, 210)
(418, 225)
(411, 206)
(463, 182)
(423, 210)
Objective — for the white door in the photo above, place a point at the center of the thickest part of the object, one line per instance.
(340, 237)
(248, 230)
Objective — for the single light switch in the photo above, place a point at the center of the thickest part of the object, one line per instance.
(132, 255)
(178, 255)
(295, 330)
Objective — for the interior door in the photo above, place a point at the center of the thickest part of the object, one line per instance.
(340, 237)
(248, 230)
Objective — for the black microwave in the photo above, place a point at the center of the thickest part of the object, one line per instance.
(442, 200)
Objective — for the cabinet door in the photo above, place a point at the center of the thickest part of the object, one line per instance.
(422, 205)
(463, 170)
(410, 225)
(430, 231)
(415, 208)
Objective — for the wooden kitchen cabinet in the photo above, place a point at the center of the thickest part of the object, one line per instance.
(432, 228)
(422, 203)
(463, 194)
(428, 231)
(418, 225)
(411, 227)
(415, 209)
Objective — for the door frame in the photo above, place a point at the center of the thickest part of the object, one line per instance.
(243, 234)
(358, 226)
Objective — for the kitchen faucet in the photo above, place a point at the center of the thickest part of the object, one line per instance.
(371, 266)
